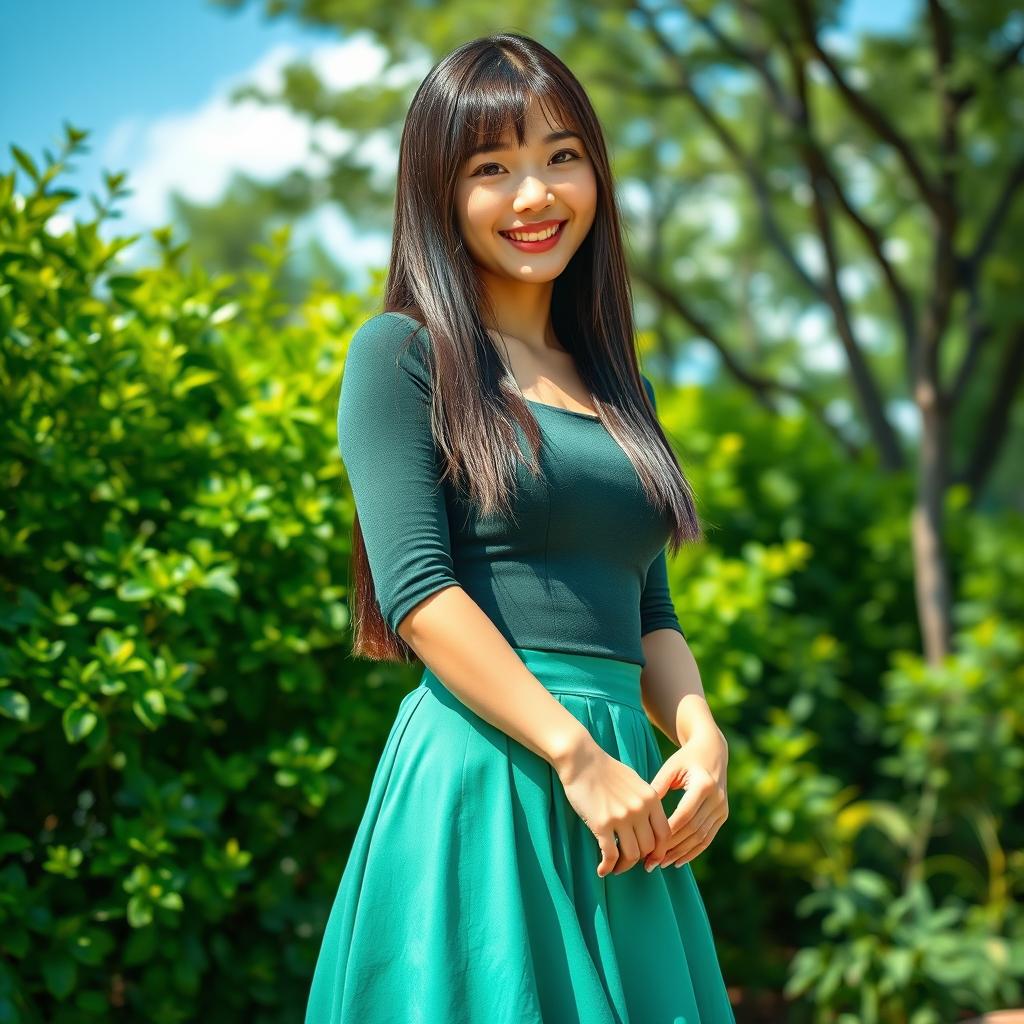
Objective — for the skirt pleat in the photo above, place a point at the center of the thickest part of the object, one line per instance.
(470, 894)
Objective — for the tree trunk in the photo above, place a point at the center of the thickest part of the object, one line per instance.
(931, 571)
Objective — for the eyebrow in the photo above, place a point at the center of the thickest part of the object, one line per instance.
(490, 147)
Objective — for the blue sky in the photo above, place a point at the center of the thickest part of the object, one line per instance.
(96, 63)
(149, 80)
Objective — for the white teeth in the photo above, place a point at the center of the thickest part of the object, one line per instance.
(537, 236)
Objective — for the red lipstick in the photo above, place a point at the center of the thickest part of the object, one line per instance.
(544, 244)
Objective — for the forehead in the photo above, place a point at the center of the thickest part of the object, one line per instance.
(503, 127)
(493, 145)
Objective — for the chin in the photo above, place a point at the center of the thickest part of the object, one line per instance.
(538, 275)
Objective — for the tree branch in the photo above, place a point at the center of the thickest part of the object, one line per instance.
(864, 108)
(968, 276)
(978, 333)
(927, 383)
(791, 109)
(764, 388)
(998, 215)
(865, 386)
(829, 292)
(993, 432)
(1009, 59)
(748, 55)
(759, 185)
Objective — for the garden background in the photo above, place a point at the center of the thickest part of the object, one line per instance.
(825, 224)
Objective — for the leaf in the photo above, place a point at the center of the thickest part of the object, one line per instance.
(142, 713)
(171, 901)
(140, 913)
(155, 701)
(135, 590)
(887, 817)
(13, 842)
(59, 974)
(221, 579)
(124, 282)
(26, 162)
(78, 722)
(193, 379)
(14, 705)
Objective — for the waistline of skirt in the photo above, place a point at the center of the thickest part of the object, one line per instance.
(584, 674)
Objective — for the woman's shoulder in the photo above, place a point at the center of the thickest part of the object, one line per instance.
(387, 344)
(387, 333)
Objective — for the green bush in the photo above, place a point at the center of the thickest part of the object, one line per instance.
(871, 868)
(920, 913)
(185, 746)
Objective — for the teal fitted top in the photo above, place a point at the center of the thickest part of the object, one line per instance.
(581, 569)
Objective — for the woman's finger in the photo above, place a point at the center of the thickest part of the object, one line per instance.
(701, 789)
(697, 845)
(707, 797)
(645, 842)
(694, 833)
(629, 849)
(609, 852)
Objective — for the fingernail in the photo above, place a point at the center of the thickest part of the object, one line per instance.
(649, 866)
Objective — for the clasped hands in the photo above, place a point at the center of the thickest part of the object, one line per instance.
(613, 800)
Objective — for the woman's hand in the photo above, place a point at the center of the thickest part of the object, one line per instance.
(699, 767)
(612, 798)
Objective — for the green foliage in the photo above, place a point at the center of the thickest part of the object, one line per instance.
(186, 747)
(874, 826)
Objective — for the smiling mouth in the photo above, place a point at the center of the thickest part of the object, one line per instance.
(548, 239)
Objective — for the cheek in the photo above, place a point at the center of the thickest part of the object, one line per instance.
(479, 211)
(585, 195)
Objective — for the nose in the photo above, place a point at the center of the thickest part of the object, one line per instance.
(532, 194)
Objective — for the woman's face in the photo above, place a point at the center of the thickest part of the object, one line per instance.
(533, 189)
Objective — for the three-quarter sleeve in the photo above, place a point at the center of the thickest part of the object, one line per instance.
(392, 463)
(657, 610)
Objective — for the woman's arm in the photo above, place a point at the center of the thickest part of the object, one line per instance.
(672, 692)
(459, 643)
(673, 696)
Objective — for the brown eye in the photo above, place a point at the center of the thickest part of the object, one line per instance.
(481, 171)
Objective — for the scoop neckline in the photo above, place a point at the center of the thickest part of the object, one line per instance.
(558, 408)
(529, 401)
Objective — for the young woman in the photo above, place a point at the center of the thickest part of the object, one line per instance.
(515, 497)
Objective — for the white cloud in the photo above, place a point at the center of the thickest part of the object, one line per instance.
(195, 152)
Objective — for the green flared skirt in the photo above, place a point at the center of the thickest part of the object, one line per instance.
(470, 895)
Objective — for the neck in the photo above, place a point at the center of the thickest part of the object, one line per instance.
(520, 309)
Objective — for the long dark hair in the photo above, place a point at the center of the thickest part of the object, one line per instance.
(475, 95)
